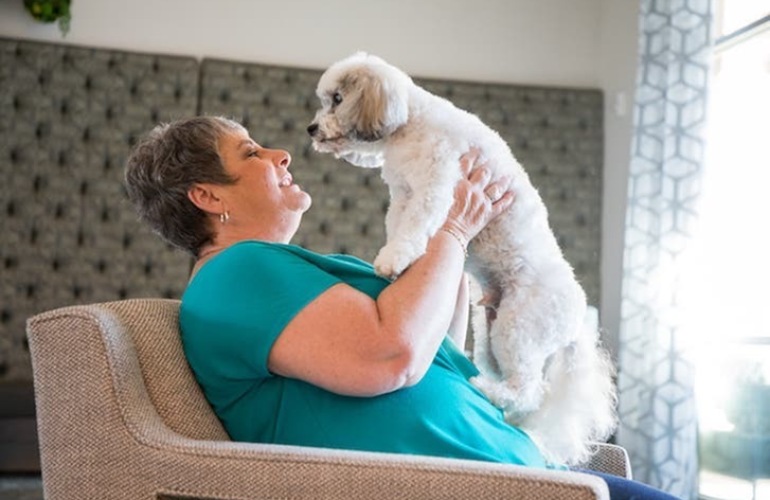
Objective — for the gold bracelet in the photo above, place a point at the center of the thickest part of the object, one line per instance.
(459, 239)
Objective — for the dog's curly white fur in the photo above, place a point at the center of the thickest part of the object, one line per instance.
(539, 361)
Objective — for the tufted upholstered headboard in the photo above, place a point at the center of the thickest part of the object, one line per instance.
(68, 117)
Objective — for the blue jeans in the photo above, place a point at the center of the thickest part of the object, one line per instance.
(627, 489)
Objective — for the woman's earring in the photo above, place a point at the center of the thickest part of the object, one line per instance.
(224, 217)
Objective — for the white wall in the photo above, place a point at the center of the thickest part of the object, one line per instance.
(617, 55)
(579, 43)
(525, 41)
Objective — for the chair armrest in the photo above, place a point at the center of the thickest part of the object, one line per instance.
(611, 459)
(187, 468)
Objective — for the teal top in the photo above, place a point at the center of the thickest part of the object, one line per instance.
(239, 303)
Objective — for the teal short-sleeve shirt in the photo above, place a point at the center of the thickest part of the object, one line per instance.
(238, 304)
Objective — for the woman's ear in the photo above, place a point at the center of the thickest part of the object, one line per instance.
(204, 197)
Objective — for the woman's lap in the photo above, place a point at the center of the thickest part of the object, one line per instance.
(627, 489)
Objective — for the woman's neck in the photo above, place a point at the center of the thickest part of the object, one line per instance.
(227, 237)
(229, 234)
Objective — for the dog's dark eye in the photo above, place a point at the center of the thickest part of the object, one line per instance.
(337, 98)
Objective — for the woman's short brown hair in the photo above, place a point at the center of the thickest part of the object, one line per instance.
(163, 167)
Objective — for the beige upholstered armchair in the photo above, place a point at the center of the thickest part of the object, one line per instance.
(121, 416)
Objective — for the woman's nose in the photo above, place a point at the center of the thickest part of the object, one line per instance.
(282, 158)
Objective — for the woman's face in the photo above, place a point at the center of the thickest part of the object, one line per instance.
(264, 191)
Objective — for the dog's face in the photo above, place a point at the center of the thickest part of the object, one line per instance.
(363, 100)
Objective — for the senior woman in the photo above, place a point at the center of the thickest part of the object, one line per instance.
(294, 347)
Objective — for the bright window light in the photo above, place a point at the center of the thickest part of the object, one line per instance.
(726, 297)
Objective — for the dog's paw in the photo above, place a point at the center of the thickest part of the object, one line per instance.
(393, 259)
(490, 388)
(528, 398)
(512, 397)
(363, 160)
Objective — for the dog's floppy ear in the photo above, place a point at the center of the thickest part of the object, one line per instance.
(379, 104)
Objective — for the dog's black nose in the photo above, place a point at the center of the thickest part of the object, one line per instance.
(312, 128)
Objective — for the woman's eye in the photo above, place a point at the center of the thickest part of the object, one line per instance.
(337, 98)
(254, 153)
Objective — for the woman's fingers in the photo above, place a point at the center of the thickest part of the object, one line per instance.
(501, 205)
(495, 190)
(480, 175)
(468, 161)
(478, 198)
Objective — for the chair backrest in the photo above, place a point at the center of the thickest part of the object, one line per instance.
(149, 330)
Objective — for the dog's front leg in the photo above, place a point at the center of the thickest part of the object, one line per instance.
(417, 214)
(399, 199)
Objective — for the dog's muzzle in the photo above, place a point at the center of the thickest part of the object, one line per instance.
(312, 129)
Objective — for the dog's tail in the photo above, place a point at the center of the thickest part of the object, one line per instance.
(580, 406)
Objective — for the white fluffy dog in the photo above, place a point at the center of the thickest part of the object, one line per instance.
(538, 360)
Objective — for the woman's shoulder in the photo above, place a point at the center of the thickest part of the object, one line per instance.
(256, 259)
(289, 252)
(247, 247)
(239, 259)
(255, 252)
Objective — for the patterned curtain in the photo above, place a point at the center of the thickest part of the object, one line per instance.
(656, 396)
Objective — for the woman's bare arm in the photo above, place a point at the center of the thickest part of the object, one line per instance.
(348, 343)
(458, 328)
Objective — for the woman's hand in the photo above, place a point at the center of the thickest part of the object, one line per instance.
(478, 199)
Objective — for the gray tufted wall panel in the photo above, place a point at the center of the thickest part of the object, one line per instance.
(67, 119)
(555, 133)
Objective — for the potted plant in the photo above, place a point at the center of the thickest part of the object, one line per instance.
(49, 11)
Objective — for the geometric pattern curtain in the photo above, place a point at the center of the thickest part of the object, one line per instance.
(658, 424)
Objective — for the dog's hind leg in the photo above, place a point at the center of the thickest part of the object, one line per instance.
(480, 323)
(580, 407)
(518, 356)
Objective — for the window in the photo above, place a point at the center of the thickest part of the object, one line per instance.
(728, 292)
